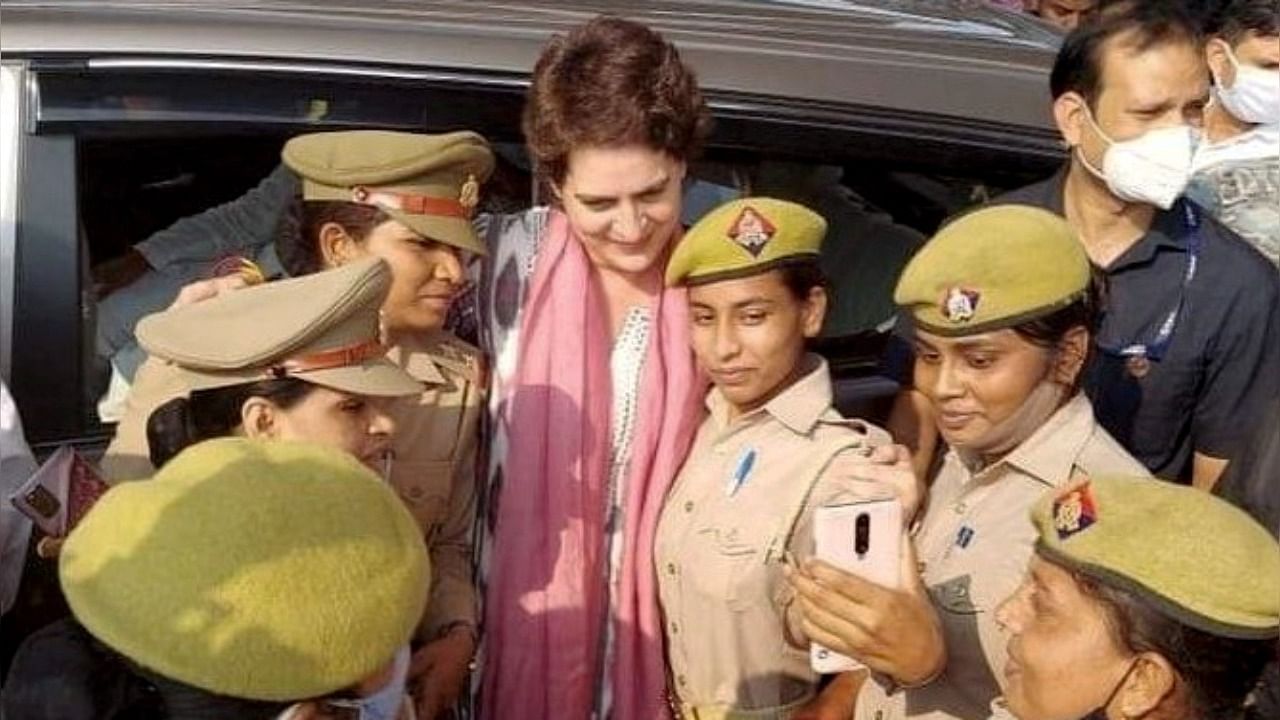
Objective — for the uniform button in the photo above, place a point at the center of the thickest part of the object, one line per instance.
(671, 568)
(415, 493)
(879, 715)
(675, 629)
(961, 508)
(688, 506)
(681, 679)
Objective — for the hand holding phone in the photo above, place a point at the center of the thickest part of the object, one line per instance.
(863, 538)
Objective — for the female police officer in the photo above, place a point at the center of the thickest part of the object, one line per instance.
(762, 460)
(1144, 600)
(407, 199)
(1002, 308)
(244, 578)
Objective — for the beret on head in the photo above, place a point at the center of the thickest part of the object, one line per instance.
(746, 237)
(1194, 557)
(993, 268)
(260, 570)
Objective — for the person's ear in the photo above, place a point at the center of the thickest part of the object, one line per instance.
(260, 419)
(1149, 683)
(1073, 350)
(813, 311)
(1220, 67)
(1070, 112)
(682, 170)
(337, 247)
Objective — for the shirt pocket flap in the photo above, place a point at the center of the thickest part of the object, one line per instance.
(955, 596)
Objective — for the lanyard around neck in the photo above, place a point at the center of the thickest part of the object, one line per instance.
(1156, 347)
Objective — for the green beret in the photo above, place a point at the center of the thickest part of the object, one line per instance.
(1195, 557)
(429, 182)
(262, 570)
(993, 268)
(322, 328)
(746, 237)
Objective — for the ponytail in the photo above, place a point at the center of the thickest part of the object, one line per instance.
(169, 430)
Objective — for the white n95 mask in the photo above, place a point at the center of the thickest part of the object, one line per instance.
(1153, 168)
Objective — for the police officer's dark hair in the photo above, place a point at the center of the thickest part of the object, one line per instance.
(213, 413)
(1048, 330)
(802, 276)
(1237, 18)
(1143, 24)
(298, 233)
(1219, 672)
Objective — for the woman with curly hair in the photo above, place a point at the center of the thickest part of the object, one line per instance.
(595, 395)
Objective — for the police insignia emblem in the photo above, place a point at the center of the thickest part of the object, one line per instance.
(960, 304)
(469, 196)
(1074, 512)
(752, 231)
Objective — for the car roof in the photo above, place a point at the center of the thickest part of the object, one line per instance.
(958, 58)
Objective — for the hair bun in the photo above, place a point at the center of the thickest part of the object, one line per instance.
(170, 429)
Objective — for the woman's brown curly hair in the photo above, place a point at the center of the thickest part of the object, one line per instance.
(611, 82)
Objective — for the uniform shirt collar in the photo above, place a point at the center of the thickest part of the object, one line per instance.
(799, 407)
(420, 357)
(1049, 455)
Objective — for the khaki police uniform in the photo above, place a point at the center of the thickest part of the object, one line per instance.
(974, 544)
(746, 494)
(992, 269)
(430, 183)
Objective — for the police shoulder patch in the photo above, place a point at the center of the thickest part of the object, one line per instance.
(1074, 511)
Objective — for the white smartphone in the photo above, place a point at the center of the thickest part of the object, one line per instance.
(863, 538)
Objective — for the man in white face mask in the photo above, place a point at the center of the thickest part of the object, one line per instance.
(1237, 166)
(1191, 335)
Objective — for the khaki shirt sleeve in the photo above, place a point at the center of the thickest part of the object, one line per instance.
(453, 594)
(128, 456)
(835, 485)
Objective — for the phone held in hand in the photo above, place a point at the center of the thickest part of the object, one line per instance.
(863, 538)
(60, 492)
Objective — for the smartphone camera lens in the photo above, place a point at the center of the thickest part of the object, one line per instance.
(862, 534)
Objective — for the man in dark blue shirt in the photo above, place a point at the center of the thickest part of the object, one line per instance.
(1188, 356)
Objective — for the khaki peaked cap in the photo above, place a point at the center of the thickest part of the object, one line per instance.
(322, 328)
(431, 183)
(993, 268)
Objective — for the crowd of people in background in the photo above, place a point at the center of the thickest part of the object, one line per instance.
(327, 504)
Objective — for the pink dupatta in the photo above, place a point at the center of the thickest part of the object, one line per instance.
(548, 597)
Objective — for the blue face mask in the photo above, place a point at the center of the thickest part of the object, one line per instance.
(385, 703)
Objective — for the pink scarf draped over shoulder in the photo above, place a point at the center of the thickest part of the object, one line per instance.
(548, 597)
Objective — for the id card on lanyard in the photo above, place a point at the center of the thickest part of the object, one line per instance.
(1154, 348)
